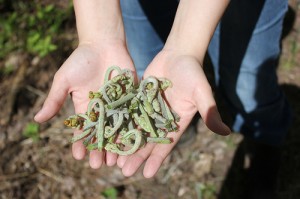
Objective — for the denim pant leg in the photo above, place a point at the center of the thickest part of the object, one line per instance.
(147, 25)
(244, 51)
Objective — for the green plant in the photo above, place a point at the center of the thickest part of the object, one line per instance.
(31, 131)
(30, 27)
(110, 193)
(292, 56)
(7, 69)
(41, 46)
(205, 191)
(7, 38)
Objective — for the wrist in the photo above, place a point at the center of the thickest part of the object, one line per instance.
(179, 46)
(102, 32)
(98, 37)
(103, 43)
(167, 57)
(99, 20)
(194, 25)
(105, 46)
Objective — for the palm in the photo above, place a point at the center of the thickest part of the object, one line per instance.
(190, 93)
(180, 96)
(82, 72)
(85, 69)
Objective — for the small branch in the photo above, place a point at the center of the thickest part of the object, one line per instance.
(50, 175)
(15, 87)
(35, 91)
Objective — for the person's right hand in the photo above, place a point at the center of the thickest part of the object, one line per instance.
(82, 72)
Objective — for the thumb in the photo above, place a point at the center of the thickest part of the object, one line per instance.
(54, 101)
(207, 108)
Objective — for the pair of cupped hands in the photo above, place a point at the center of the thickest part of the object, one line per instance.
(84, 71)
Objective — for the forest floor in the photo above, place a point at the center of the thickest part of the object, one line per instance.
(206, 167)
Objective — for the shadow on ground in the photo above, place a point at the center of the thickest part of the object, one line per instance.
(287, 183)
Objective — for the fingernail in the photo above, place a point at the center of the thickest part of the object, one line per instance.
(148, 174)
(37, 115)
(227, 131)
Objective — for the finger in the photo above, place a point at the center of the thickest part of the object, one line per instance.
(54, 101)
(135, 160)
(121, 160)
(156, 158)
(153, 164)
(111, 158)
(153, 153)
(78, 149)
(161, 151)
(215, 123)
(207, 108)
(96, 159)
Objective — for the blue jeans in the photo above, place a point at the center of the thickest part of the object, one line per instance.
(244, 52)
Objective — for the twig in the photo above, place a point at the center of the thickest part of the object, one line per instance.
(35, 91)
(50, 175)
(15, 87)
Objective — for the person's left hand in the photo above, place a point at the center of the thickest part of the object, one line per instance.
(190, 93)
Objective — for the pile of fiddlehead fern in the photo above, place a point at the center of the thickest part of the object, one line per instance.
(121, 116)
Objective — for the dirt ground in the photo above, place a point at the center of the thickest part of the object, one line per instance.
(205, 167)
